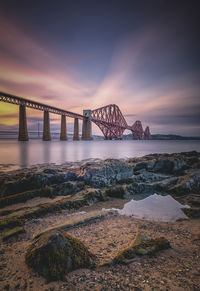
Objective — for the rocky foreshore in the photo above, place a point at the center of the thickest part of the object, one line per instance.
(64, 204)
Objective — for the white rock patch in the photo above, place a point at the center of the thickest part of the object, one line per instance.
(155, 207)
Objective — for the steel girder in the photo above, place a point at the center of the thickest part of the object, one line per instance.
(110, 120)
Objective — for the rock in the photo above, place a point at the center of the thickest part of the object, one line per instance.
(189, 183)
(170, 165)
(106, 173)
(7, 287)
(176, 174)
(116, 191)
(192, 212)
(68, 188)
(56, 253)
(141, 165)
(140, 188)
(84, 197)
(196, 237)
(46, 191)
(12, 232)
(85, 218)
(142, 246)
(166, 184)
(32, 181)
(145, 176)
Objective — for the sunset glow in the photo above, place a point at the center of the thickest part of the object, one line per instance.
(148, 72)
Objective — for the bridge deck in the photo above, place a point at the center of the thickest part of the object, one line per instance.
(8, 98)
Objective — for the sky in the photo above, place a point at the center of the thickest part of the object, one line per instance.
(141, 55)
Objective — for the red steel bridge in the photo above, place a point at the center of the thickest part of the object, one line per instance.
(108, 118)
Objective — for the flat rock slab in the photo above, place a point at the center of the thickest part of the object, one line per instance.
(83, 218)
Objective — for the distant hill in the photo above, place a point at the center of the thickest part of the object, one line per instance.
(166, 137)
(55, 135)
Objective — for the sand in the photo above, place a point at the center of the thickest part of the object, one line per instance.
(175, 269)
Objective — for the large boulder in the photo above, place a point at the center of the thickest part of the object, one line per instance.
(55, 253)
(106, 173)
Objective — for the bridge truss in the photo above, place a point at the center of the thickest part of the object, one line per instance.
(108, 118)
(112, 123)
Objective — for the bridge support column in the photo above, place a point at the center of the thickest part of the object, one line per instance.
(63, 132)
(23, 132)
(87, 125)
(46, 127)
(76, 129)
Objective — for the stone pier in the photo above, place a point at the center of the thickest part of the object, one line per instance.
(63, 132)
(46, 127)
(76, 129)
(87, 125)
(23, 132)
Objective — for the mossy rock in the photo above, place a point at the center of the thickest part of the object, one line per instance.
(116, 191)
(192, 212)
(11, 222)
(12, 232)
(80, 199)
(141, 246)
(46, 191)
(55, 253)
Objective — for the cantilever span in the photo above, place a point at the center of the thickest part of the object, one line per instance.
(112, 123)
(108, 118)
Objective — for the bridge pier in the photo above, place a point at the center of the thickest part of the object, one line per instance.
(63, 131)
(23, 132)
(147, 134)
(46, 127)
(76, 129)
(87, 125)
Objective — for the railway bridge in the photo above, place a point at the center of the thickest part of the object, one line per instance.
(108, 118)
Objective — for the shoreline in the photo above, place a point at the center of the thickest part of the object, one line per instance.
(71, 197)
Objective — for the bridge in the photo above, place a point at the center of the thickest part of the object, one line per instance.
(108, 118)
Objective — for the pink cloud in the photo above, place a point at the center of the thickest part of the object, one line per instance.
(28, 68)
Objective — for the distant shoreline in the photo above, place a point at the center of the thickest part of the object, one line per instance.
(55, 135)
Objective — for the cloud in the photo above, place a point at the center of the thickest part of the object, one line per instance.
(139, 79)
(171, 99)
(11, 115)
(30, 69)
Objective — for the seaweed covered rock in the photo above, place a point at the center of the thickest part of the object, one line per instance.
(192, 212)
(55, 253)
(141, 246)
(12, 232)
(189, 183)
(18, 183)
(116, 191)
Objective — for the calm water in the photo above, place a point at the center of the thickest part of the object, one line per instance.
(24, 154)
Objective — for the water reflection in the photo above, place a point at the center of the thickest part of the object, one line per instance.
(23, 148)
(36, 151)
(46, 152)
(63, 150)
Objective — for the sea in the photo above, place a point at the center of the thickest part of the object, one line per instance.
(15, 154)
